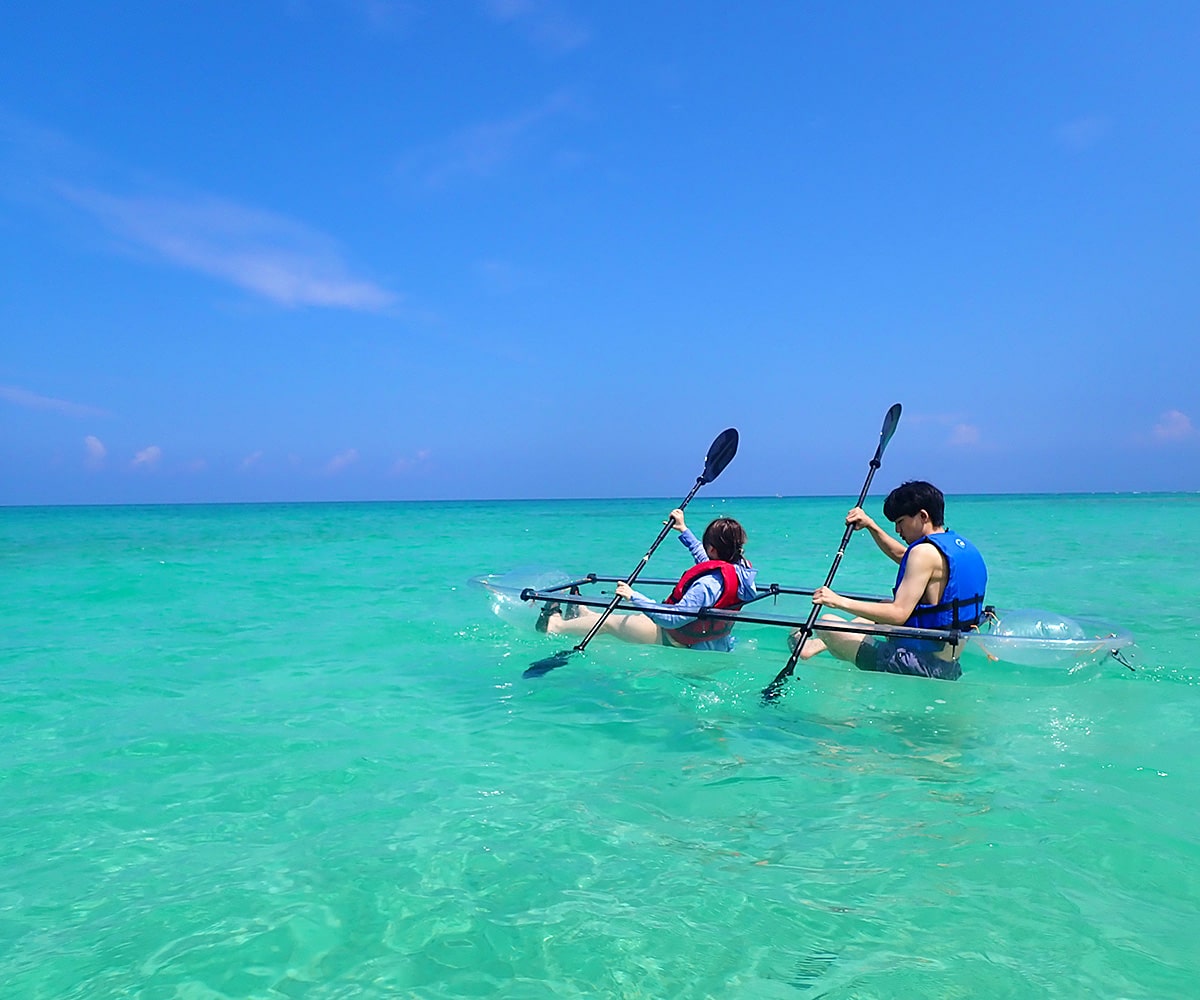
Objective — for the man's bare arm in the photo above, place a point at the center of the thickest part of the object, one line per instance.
(919, 570)
(888, 543)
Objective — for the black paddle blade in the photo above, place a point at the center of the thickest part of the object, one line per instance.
(720, 454)
(545, 665)
(889, 428)
(775, 690)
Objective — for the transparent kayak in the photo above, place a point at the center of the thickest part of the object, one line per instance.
(1027, 637)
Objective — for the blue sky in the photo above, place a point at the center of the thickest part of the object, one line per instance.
(359, 249)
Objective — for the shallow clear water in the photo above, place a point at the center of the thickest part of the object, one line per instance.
(286, 751)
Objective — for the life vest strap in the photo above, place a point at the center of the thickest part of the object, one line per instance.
(953, 606)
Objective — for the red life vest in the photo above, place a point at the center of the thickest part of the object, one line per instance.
(706, 629)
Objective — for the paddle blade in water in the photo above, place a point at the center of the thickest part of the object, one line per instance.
(720, 454)
(545, 665)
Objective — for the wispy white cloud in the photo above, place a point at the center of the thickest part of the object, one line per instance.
(545, 23)
(483, 149)
(196, 465)
(501, 276)
(963, 435)
(147, 457)
(267, 254)
(932, 418)
(252, 460)
(407, 464)
(1082, 133)
(33, 401)
(96, 452)
(262, 252)
(342, 461)
(1174, 426)
(387, 15)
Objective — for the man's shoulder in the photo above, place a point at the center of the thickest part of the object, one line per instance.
(928, 551)
(924, 556)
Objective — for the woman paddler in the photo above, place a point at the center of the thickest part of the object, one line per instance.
(721, 578)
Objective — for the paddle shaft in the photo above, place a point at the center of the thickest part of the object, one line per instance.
(634, 575)
(806, 628)
(771, 691)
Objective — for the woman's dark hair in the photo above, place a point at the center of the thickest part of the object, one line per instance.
(727, 539)
(908, 498)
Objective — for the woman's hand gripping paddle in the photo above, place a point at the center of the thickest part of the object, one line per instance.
(772, 690)
(720, 454)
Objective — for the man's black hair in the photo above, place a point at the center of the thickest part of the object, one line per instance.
(908, 498)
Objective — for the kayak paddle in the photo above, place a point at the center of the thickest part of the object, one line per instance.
(720, 454)
(772, 690)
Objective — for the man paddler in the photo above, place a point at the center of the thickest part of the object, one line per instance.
(940, 585)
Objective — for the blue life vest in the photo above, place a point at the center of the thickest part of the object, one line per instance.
(961, 606)
(706, 629)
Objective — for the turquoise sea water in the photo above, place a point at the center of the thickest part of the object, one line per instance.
(286, 751)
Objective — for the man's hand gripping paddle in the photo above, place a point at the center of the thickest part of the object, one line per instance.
(720, 454)
(773, 690)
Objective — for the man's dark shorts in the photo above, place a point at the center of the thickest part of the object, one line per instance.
(886, 656)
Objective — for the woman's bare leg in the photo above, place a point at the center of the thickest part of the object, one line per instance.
(626, 627)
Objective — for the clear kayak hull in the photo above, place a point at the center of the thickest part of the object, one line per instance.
(1025, 637)
(1032, 637)
(504, 591)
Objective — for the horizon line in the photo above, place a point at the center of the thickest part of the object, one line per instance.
(454, 500)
